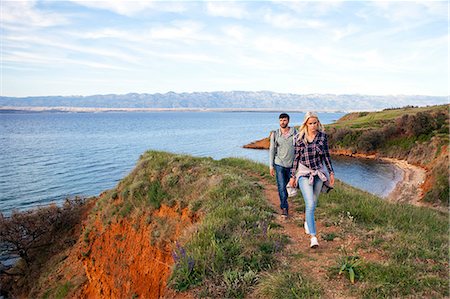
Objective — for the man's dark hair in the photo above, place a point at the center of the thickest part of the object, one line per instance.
(284, 115)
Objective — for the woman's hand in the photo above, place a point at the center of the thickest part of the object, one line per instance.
(292, 182)
(332, 179)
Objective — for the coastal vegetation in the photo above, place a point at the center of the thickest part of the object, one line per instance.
(417, 135)
(180, 224)
(34, 237)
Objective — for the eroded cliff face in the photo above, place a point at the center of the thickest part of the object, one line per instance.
(133, 256)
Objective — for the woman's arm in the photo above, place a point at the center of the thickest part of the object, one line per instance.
(327, 159)
(326, 154)
(297, 152)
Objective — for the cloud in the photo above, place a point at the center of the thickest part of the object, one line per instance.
(25, 13)
(288, 21)
(185, 31)
(226, 9)
(110, 33)
(177, 31)
(190, 57)
(316, 8)
(51, 61)
(132, 7)
(346, 31)
(408, 12)
(277, 46)
(252, 62)
(436, 8)
(235, 32)
(57, 47)
(120, 7)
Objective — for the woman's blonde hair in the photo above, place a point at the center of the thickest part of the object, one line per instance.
(304, 128)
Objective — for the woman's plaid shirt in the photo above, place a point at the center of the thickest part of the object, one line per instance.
(313, 154)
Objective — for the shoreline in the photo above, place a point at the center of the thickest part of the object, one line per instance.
(409, 188)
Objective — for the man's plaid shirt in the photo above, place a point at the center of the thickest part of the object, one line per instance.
(313, 154)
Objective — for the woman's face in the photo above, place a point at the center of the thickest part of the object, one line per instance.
(312, 124)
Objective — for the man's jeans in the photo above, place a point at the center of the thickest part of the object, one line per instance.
(283, 175)
(310, 196)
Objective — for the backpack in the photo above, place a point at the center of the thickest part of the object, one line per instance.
(276, 132)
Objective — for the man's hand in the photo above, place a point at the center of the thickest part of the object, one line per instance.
(272, 172)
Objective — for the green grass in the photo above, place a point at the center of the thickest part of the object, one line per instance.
(374, 119)
(153, 183)
(286, 284)
(414, 239)
(400, 280)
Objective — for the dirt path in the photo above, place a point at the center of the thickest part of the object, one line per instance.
(315, 263)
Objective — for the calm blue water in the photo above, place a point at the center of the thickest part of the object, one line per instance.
(47, 157)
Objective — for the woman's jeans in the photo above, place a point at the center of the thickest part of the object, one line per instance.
(283, 174)
(310, 196)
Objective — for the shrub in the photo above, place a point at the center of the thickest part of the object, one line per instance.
(370, 140)
(26, 233)
(35, 236)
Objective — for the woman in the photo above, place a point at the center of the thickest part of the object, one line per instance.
(308, 173)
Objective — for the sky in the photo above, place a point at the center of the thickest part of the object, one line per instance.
(81, 47)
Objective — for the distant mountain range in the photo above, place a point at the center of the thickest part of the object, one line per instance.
(239, 100)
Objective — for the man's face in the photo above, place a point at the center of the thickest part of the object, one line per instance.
(284, 122)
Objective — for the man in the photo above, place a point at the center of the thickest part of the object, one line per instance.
(281, 156)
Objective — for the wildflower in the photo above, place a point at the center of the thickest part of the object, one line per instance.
(191, 264)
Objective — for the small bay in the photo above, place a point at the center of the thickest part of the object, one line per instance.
(46, 157)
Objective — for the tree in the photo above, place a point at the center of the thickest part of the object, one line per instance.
(23, 233)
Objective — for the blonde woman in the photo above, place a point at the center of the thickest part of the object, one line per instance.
(308, 173)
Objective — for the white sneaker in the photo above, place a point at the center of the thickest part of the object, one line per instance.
(305, 225)
(314, 243)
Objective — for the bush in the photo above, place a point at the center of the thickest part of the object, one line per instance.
(342, 137)
(421, 123)
(35, 236)
(26, 233)
(370, 140)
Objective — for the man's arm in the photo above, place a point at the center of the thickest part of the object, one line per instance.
(272, 151)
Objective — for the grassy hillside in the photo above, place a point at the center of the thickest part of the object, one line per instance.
(182, 224)
(418, 135)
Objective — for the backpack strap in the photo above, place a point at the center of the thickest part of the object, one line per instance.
(275, 136)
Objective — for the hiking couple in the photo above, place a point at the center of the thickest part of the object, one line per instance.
(298, 160)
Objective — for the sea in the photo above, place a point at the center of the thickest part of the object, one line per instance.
(47, 157)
